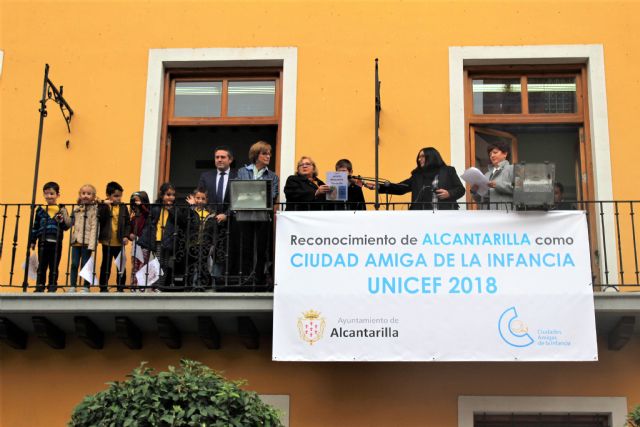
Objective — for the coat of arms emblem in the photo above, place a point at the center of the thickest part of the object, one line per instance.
(311, 326)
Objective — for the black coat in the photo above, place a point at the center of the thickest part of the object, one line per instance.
(177, 219)
(355, 200)
(301, 195)
(208, 181)
(104, 219)
(421, 190)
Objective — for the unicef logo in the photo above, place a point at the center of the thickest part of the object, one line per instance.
(512, 330)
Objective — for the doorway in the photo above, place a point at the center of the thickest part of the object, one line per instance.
(192, 148)
(536, 143)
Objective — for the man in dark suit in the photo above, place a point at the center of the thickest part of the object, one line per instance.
(216, 182)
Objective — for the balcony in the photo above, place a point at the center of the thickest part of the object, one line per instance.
(212, 292)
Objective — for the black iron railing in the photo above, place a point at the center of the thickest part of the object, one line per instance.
(182, 248)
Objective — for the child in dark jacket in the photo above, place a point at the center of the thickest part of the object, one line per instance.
(355, 197)
(139, 203)
(159, 234)
(113, 217)
(49, 224)
(200, 235)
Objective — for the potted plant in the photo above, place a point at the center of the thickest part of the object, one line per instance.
(190, 395)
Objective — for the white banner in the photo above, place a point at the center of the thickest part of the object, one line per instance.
(433, 286)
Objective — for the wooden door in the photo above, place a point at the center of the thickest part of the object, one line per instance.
(481, 137)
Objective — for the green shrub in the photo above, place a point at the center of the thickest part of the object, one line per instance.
(633, 418)
(191, 395)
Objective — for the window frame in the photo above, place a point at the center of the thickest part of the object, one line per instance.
(524, 73)
(469, 406)
(581, 117)
(596, 120)
(224, 75)
(209, 74)
(536, 419)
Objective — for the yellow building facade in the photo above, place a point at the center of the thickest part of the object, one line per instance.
(113, 58)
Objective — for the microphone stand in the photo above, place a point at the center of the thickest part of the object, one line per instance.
(418, 198)
(378, 182)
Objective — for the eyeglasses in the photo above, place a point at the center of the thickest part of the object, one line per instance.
(305, 164)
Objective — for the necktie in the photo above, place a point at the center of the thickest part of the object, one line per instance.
(220, 190)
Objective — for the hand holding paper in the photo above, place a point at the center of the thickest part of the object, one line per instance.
(339, 183)
(473, 176)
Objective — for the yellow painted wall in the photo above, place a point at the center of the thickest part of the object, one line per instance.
(98, 50)
(40, 386)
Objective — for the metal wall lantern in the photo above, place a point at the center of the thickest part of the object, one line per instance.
(533, 185)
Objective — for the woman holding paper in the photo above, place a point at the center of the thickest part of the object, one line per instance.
(500, 176)
(433, 184)
(305, 191)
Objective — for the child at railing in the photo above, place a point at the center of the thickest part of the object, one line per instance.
(200, 233)
(49, 224)
(113, 218)
(84, 235)
(158, 233)
(139, 203)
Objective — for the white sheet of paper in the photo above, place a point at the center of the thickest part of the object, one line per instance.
(152, 257)
(153, 268)
(87, 272)
(121, 261)
(339, 183)
(473, 176)
(136, 251)
(32, 271)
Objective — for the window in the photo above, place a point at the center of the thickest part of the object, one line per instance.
(538, 420)
(532, 95)
(539, 111)
(496, 96)
(554, 61)
(529, 411)
(205, 108)
(230, 97)
(244, 60)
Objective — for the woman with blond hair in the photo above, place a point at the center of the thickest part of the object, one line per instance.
(84, 234)
(257, 237)
(260, 157)
(304, 190)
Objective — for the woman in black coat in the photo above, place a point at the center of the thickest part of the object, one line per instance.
(305, 191)
(433, 184)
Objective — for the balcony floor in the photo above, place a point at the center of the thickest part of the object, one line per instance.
(230, 312)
